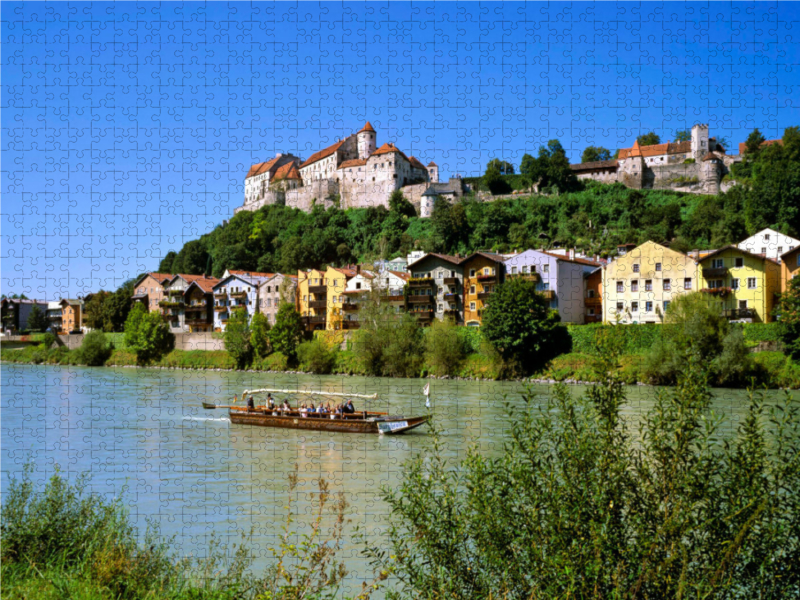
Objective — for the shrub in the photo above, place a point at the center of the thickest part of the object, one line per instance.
(789, 314)
(316, 357)
(48, 340)
(579, 506)
(147, 334)
(444, 347)
(237, 338)
(95, 349)
(259, 335)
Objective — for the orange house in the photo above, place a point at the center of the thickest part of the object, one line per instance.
(149, 289)
(790, 267)
(71, 316)
(483, 272)
(594, 296)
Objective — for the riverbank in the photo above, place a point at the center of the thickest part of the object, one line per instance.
(775, 370)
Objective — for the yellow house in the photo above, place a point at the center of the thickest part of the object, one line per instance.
(312, 298)
(336, 280)
(638, 287)
(746, 283)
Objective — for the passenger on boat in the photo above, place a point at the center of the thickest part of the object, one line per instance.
(270, 402)
(328, 408)
(286, 406)
(303, 410)
(250, 404)
(312, 411)
(320, 409)
(349, 408)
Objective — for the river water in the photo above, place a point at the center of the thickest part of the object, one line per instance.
(143, 431)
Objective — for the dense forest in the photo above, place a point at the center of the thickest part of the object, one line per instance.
(591, 217)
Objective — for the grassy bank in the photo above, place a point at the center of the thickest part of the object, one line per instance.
(774, 369)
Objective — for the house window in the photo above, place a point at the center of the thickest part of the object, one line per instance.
(635, 285)
(635, 267)
(472, 272)
(513, 270)
(620, 287)
(525, 267)
(546, 287)
(546, 268)
(472, 306)
(590, 294)
(735, 284)
(687, 283)
(715, 284)
(634, 307)
(766, 237)
(763, 251)
(667, 285)
(717, 263)
(620, 307)
(472, 289)
(440, 308)
(648, 307)
(591, 312)
(742, 303)
(648, 285)
(751, 283)
(738, 263)
(358, 285)
(666, 305)
(658, 266)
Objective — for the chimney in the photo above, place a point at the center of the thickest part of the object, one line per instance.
(358, 269)
(572, 253)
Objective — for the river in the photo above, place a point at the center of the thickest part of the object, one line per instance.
(143, 430)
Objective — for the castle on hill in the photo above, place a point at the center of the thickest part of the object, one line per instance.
(696, 166)
(353, 173)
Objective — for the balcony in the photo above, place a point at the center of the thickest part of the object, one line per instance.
(170, 303)
(722, 292)
(549, 294)
(535, 277)
(420, 299)
(452, 297)
(220, 295)
(740, 313)
(422, 315)
(452, 281)
(318, 304)
(350, 306)
(596, 301)
(420, 282)
(195, 308)
(487, 278)
(175, 292)
(484, 295)
(350, 325)
(197, 322)
(316, 319)
(318, 289)
(713, 273)
(394, 299)
(220, 309)
(239, 295)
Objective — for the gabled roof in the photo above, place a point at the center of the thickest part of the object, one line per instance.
(322, 154)
(401, 274)
(710, 156)
(655, 149)
(356, 162)
(415, 163)
(388, 148)
(71, 302)
(249, 277)
(287, 171)
(162, 278)
(576, 259)
(597, 164)
(250, 273)
(345, 271)
(432, 164)
(263, 167)
(490, 255)
(206, 284)
(445, 257)
(734, 247)
(367, 127)
(788, 252)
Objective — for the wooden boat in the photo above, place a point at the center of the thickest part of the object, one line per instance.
(359, 422)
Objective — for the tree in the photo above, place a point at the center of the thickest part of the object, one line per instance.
(147, 334)
(648, 139)
(753, 142)
(444, 347)
(788, 312)
(315, 356)
(287, 333)
(94, 310)
(95, 349)
(259, 335)
(166, 264)
(694, 327)
(520, 325)
(579, 504)
(683, 135)
(37, 319)
(504, 167)
(237, 338)
(494, 182)
(117, 307)
(595, 153)
(399, 204)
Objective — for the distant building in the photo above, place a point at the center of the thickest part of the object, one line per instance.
(198, 305)
(54, 315)
(15, 312)
(174, 305)
(72, 316)
(149, 289)
(238, 290)
(436, 288)
(483, 272)
(790, 267)
(769, 243)
(275, 291)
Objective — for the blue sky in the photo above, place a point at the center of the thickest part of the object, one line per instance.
(128, 129)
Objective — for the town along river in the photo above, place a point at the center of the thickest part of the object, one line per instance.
(198, 475)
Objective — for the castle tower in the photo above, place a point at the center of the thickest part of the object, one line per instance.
(433, 172)
(699, 141)
(366, 141)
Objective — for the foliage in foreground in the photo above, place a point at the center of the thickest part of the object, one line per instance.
(579, 506)
(64, 542)
(789, 313)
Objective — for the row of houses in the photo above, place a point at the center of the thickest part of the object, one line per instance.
(65, 316)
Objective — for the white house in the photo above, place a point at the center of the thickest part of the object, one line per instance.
(769, 243)
(238, 290)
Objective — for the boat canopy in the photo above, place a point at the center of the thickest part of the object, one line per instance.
(309, 393)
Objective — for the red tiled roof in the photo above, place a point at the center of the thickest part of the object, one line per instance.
(356, 162)
(401, 275)
(287, 171)
(345, 271)
(432, 164)
(367, 127)
(206, 284)
(415, 163)
(656, 149)
(322, 154)
(388, 149)
(161, 277)
(581, 261)
(597, 164)
(764, 143)
(709, 156)
(262, 167)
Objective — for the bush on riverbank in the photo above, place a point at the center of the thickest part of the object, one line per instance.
(578, 506)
